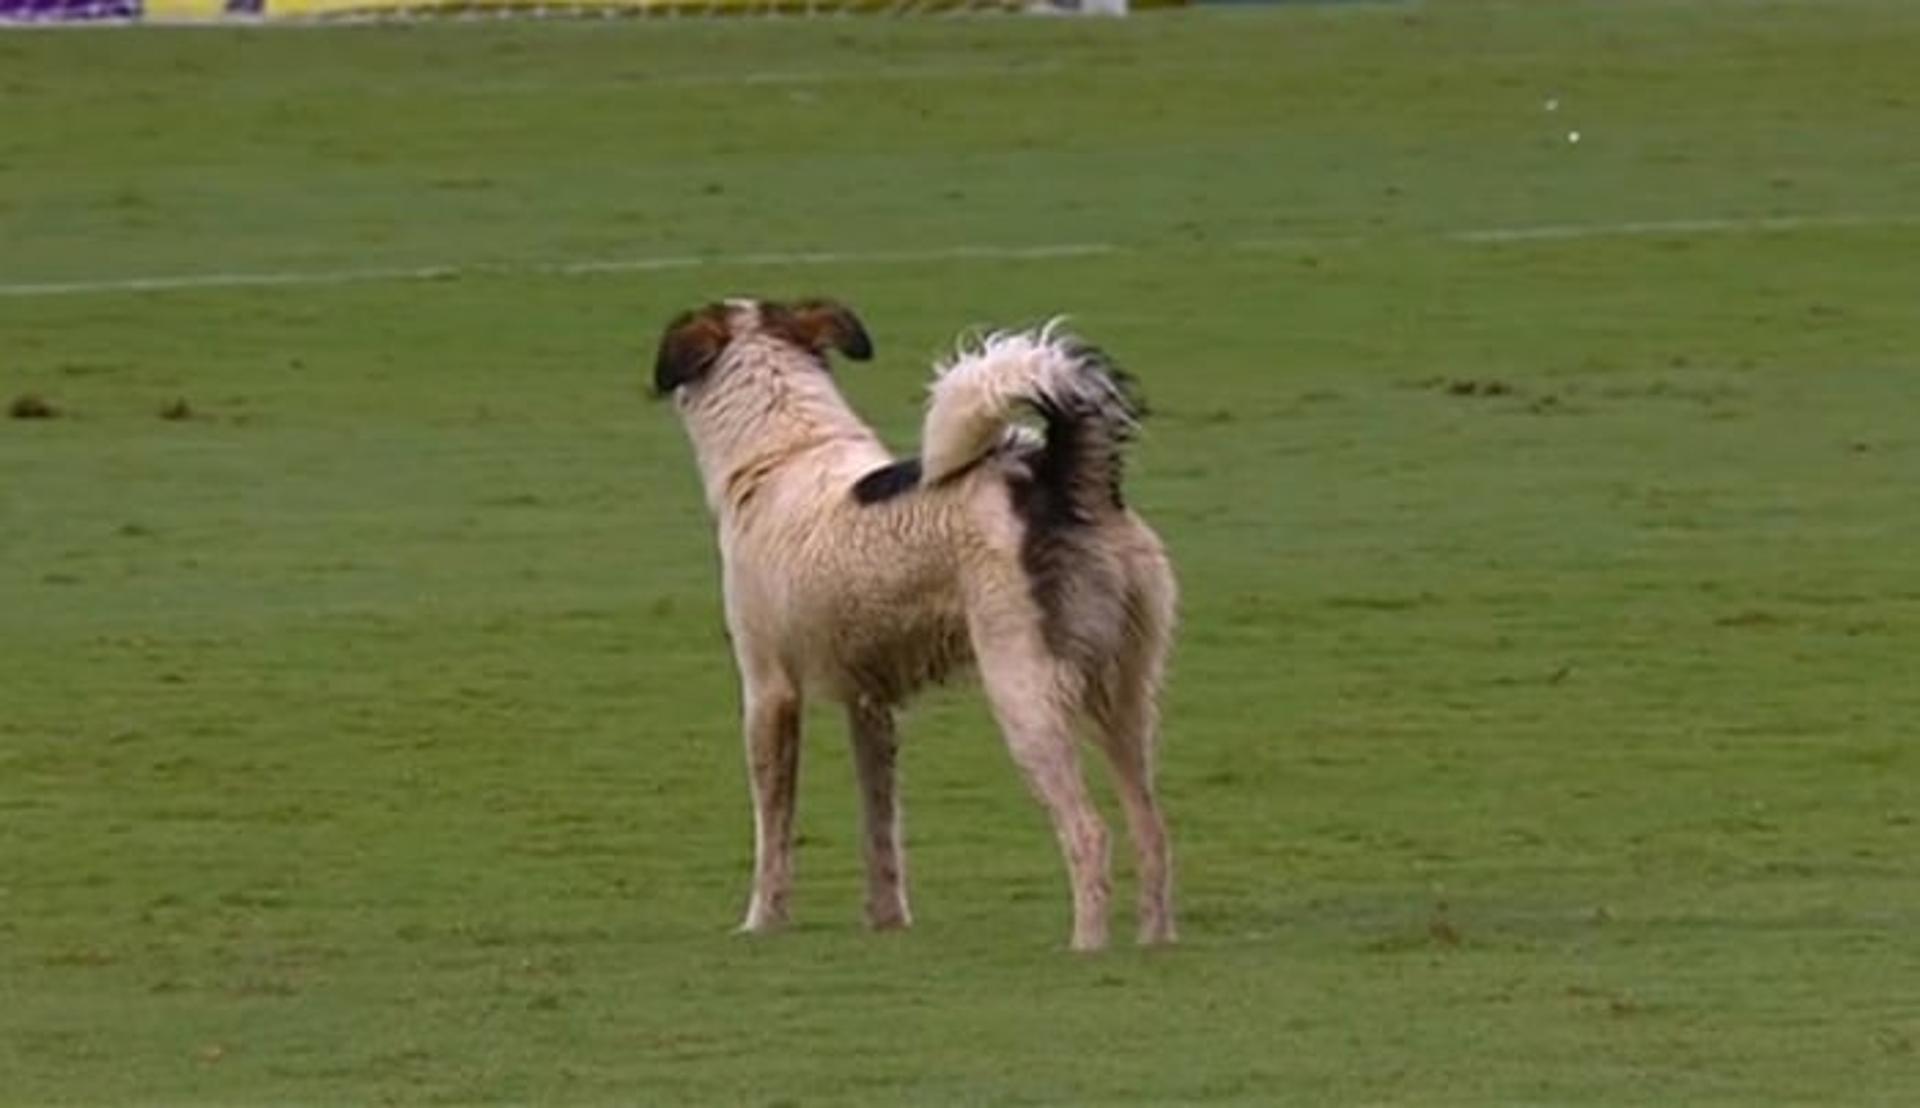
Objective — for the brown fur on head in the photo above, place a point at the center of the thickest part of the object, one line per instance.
(694, 340)
(818, 324)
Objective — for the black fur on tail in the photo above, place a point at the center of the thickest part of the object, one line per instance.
(1077, 470)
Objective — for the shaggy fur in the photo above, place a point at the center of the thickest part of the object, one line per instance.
(852, 576)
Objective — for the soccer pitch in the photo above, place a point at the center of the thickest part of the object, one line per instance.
(1542, 727)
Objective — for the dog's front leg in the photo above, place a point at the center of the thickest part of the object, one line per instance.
(875, 749)
(773, 771)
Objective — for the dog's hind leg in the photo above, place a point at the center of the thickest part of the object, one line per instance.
(1031, 693)
(875, 748)
(773, 768)
(1123, 702)
(1126, 718)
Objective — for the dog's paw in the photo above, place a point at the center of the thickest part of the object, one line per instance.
(762, 921)
(889, 920)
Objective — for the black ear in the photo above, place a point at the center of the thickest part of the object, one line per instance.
(689, 347)
(819, 324)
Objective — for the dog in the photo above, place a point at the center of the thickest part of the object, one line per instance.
(1003, 548)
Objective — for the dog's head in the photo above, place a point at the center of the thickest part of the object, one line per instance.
(693, 349)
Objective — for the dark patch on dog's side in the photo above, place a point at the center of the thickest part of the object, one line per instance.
(899, 478)
(887, 482)
(31, 406)
(819, 325)
(690, 345)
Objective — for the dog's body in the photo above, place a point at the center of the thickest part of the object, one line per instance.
(861, 579)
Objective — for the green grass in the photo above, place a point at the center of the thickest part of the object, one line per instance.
(1543, 723)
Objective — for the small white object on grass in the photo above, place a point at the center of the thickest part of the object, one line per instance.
(1573, 136)
(1552, 104)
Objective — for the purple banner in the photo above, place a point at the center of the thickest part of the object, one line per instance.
(67, 11)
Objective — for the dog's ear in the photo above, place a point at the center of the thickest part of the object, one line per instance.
(689, 347)
(819, 324)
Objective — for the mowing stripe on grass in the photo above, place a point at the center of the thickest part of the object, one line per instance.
(1479, 236)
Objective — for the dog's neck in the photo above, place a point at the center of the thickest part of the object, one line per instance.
(763, 408)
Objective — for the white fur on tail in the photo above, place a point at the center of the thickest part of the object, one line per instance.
(976, 394)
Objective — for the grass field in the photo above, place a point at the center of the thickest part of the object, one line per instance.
(1543, 727)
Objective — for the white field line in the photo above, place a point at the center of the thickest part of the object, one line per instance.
(1044, 252)
(1023, 70)
(1554, 232)
(562, 269)
(1568, 232)
(227, 281)
(835, 257)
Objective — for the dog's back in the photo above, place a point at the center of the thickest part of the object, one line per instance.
(868, 601)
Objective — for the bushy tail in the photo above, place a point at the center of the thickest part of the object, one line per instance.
(1083, 400)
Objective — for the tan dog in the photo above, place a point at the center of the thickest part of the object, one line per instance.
(852, 576)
